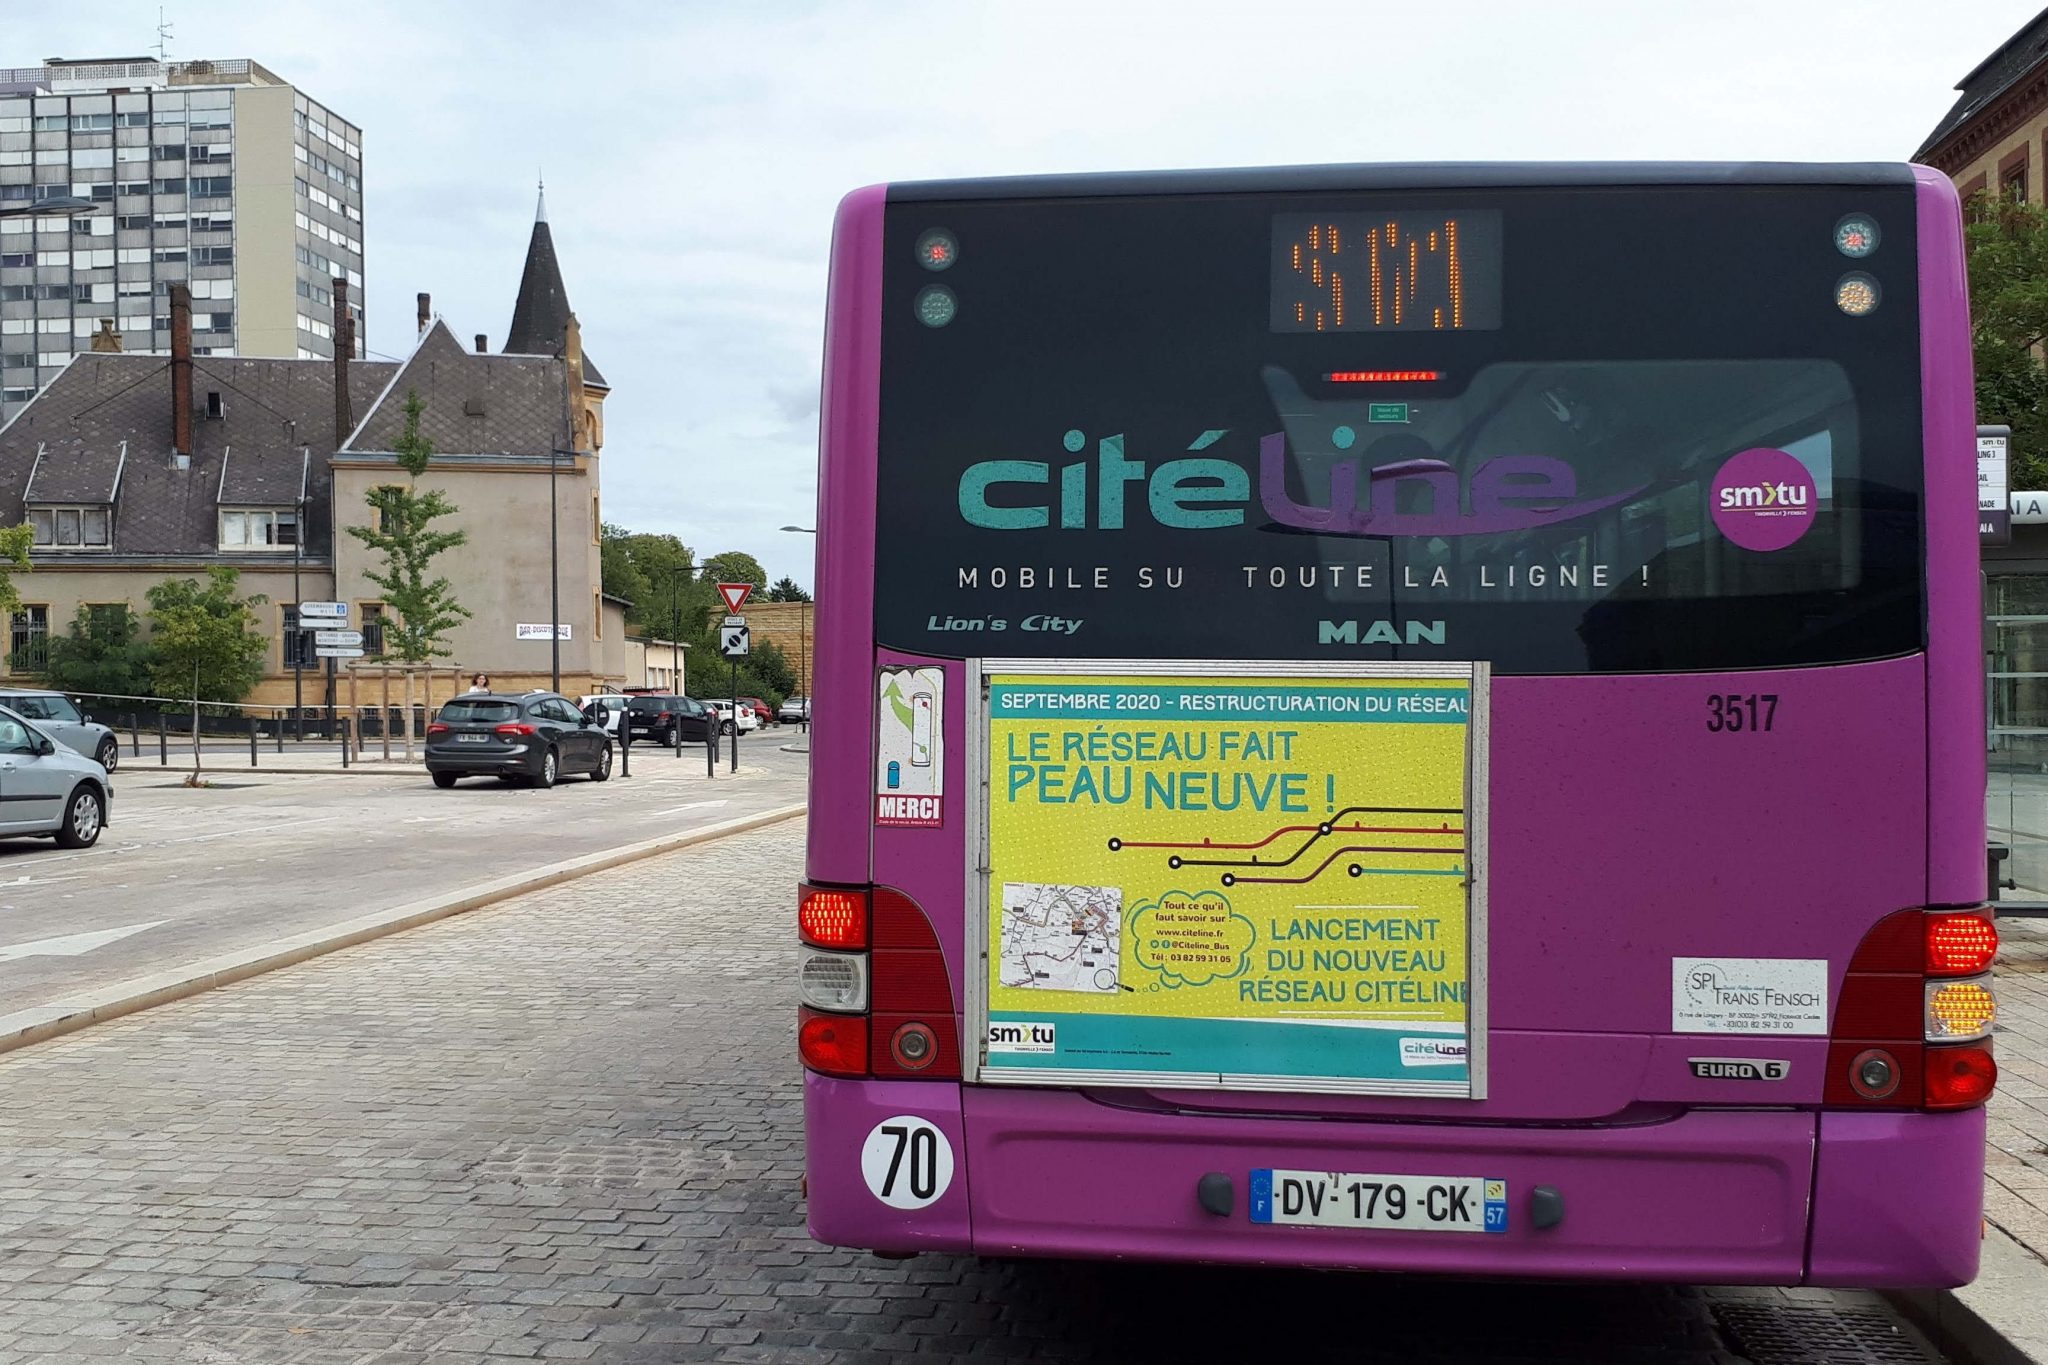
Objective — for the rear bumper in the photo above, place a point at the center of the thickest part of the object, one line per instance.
(524, 760)
(1710, 1197)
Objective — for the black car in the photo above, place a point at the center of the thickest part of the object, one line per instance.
(664, 719)
(532, 737)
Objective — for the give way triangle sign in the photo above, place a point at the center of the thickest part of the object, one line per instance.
(735, 594)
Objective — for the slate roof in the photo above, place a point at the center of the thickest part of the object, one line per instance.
(475, 404)
(541, 312)
(1993, 76)
(77, 426)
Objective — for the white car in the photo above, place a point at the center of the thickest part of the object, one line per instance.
(722, 707)
(614, 705)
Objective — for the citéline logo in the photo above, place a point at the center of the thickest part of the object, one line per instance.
(1764, 499)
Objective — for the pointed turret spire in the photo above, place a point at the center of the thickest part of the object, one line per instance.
(541, 311)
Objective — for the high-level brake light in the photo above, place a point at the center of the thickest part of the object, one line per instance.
(1383, 376)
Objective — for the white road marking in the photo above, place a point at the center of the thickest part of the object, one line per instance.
(72, 945)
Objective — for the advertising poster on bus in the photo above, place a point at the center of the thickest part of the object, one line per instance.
(1256, 882)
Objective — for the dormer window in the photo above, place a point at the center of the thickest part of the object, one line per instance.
(258, 529)
(71, 528)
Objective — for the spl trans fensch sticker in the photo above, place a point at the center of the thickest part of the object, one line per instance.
(910, 748)
(1759, 996)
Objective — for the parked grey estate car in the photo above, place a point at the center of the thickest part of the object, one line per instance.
(47, 789)
(58, 716)
(532, 737)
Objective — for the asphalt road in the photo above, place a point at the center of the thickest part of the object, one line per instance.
(570, 1127)
(185, 874)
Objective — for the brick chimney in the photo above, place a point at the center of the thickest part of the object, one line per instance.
(426, 314)
(344, 350)
(106, 339)
(579, 412)
(181, 370)
(482, 346)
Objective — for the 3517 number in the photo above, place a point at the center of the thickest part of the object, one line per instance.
(1731, 713)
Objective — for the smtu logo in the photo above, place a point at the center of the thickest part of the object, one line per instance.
(1764, 499)
(1021, 1036)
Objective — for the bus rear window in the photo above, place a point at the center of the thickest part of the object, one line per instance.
(1613, 430)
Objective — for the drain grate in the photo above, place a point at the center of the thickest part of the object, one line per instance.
(1767, 1333)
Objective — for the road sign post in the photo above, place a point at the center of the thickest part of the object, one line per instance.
(732, 643)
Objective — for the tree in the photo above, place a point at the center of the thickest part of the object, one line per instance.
(206, 643)
(102, 653)
(618, 572)
(2007, 245)
(14, 547)
(401, 530)
(786, 590)
(736, 566)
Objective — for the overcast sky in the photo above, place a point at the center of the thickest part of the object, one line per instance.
(694, 151)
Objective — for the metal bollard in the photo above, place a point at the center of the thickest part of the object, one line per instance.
(625, 746)
(277, 719)
(344, 741)
(134, 735)
(252, 741)
(711, 747)
(163, 740)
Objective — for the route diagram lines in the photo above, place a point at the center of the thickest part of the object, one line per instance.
(1263, 869)
(1059, 937)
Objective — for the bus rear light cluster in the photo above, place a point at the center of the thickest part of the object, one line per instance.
(877, 999)
(1912, 1026)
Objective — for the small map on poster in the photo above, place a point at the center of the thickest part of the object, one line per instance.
(1057, 937)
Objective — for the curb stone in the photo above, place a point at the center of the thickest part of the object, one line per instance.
(2000, 1318)
(43, 1022)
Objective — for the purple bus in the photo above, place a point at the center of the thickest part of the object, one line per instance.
(1402, 717)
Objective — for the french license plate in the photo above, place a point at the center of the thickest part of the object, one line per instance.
(474, 739)
(1401, 1203)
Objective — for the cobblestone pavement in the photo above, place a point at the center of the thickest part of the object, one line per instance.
(2016, 1160)
(568, 1128)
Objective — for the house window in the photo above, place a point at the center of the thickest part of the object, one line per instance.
(106, 617)
(29, 642)
(298, 644)
(258, 529)
(2014, 183)
(70, 528)
(597, 615)
(373, 628)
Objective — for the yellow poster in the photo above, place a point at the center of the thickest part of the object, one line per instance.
(1231, 880)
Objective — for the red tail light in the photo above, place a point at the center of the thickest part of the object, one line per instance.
(831, 918)
(1960, 945)
(833, 1044)
(437, 728)
(520, 729)
(1960, 1077)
